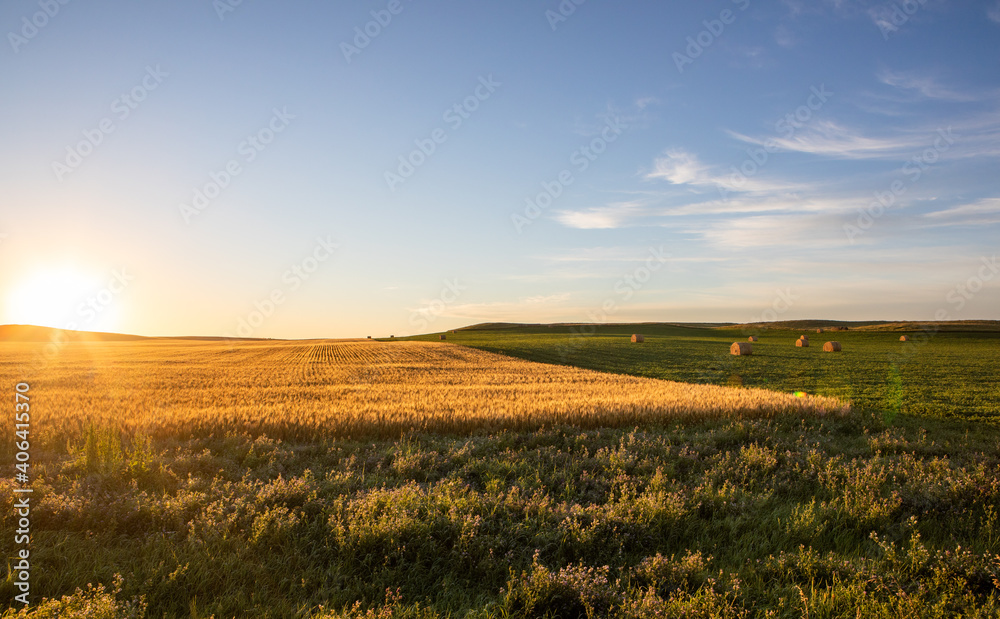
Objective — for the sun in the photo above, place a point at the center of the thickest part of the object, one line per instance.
(64, 297)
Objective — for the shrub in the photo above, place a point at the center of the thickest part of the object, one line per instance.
(572, 592)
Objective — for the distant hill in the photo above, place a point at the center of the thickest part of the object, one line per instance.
(875, 325)
(496, 326)
(953, 325)
(790, 325)
(31, 333)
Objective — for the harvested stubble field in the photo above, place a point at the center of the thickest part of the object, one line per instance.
(294, 390)
(325, 480)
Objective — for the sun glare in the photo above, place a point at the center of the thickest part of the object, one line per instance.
(63, 298)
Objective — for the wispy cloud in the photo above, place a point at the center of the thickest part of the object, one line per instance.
(971, 136)
(994, 13)
(812, 231)
(623, 215)
(643, 102)
(680, 167)
(830, 139)
(924, 85)
(730, 193)
(614, 215)
(980, 213)
(720, 209)
(767, 203)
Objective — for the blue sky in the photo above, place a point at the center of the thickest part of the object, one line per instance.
(399, 167)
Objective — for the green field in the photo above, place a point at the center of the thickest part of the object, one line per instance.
(760, 518)
(942, 374)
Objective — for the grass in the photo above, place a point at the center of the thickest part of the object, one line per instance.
(718, 518)
(942, 374)
(183, 480)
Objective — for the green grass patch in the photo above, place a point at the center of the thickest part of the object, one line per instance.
(727, 518)
(943, 374)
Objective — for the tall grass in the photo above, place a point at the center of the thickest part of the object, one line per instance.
(824, 517)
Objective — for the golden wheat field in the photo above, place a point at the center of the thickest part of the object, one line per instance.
(296, 389)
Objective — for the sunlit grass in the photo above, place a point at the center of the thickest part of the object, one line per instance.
(292, 390)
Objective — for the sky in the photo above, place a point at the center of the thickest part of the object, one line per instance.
(309, 169)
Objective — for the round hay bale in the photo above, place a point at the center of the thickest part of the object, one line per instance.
(752, 338)
(819, 330)
(443, 336)
(802, 343)
(831, 347)
(637, 338)
(904, 338)
(804, 337)
(741, 349)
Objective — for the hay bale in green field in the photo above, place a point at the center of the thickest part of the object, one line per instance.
(741, 349)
